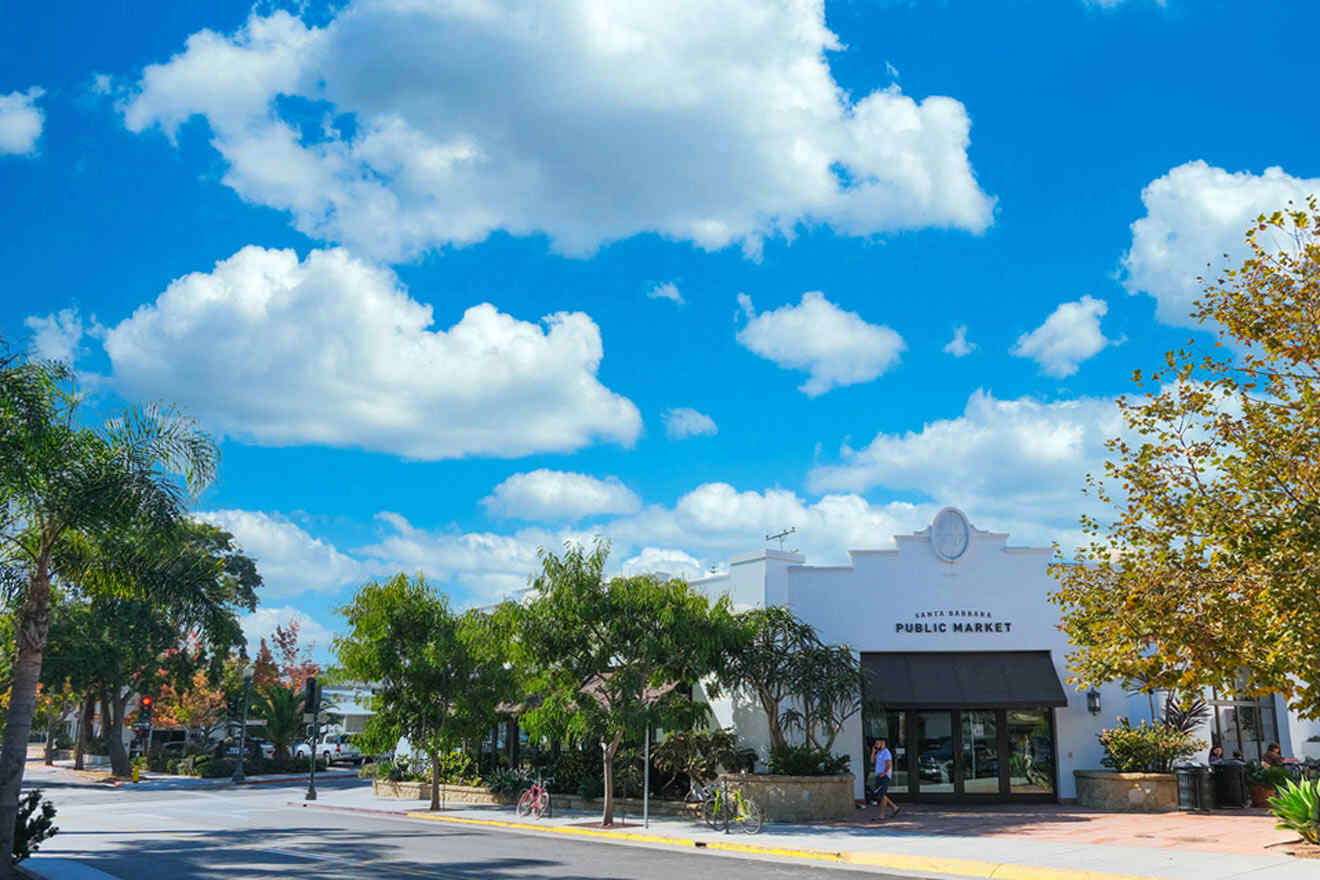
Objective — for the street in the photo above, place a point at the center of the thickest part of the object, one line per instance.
(252, 832)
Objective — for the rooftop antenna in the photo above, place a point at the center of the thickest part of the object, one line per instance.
(780, 536)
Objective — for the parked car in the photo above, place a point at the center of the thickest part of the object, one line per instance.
(256, 747)
(332, 747)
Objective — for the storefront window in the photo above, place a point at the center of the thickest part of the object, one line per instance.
(1031, 752)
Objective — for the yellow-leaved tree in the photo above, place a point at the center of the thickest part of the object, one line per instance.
(1208, 571)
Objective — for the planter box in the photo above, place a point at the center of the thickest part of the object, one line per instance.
(798, 798)
(1260, 794)
(1127, 792)
(630, 807)
(449, 794)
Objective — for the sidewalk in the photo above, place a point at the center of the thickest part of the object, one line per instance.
(968, 854)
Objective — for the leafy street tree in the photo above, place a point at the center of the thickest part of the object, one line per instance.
(603, 656)
(763, 662)
(1209, 572)
(61, 482)
(440, 681)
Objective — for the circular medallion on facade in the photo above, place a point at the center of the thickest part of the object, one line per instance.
(950, 534)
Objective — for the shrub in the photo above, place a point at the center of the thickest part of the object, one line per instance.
(591, 787)
(217, 768)
(506, 782)
(369, 770)
(1146, 748)
(456, 768)
(572, 767)
(698, 754)
(33, 824)
(1297, 807)
(806, 761)
(1270, 777)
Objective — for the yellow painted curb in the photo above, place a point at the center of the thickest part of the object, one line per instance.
(934, 865)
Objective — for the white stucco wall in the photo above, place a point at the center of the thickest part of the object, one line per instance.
(860, 605)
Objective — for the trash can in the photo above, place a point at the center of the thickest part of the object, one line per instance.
(1230, 779)
(1192, 787)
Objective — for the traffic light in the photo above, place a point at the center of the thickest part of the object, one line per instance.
(312, 696)
(145, 705)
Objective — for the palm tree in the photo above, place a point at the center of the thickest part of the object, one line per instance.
(63, 484)
(282, 708)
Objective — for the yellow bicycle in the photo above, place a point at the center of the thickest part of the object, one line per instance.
(723, 807)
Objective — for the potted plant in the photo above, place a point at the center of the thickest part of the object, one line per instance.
(1262, 782)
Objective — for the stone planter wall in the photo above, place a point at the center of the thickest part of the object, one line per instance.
(798, 798)
(1130, 792)
(449, 794)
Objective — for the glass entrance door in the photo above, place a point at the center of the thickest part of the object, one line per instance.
(932, 739)
(979, 773)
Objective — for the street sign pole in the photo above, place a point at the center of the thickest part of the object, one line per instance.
(314, 704)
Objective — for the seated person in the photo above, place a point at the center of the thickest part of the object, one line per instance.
(1273, 757)
(1216, 755)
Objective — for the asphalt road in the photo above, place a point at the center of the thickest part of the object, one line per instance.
(252, 833)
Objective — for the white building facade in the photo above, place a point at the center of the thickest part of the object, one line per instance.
(966, 666)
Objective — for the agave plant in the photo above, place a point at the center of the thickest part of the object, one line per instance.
(1297, 807)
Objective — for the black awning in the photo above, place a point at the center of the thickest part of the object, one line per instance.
(957, 680)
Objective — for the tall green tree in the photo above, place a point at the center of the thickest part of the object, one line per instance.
(61, 482)
(764, 662)
(1207, 573)
(440, 680)
(602, 656)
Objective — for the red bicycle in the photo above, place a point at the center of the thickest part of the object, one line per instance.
(535, 801)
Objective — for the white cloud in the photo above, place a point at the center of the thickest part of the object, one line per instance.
(260, 624)
(1070, 335)
(559, 496)
(1195, 214)
(833, 346)
(663, 561)
(21, 121)
(958, 346)
(1016, 465)
(589, 121)
(57, 337)
(682, 422)
(668, 290)
(291, 562)
(333, 351)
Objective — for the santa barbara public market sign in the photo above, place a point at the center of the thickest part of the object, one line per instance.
(956, 620)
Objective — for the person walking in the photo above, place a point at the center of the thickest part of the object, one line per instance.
(883, 760)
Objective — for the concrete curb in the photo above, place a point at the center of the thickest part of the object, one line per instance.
(897, 861)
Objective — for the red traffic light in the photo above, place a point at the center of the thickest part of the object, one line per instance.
(146, 701)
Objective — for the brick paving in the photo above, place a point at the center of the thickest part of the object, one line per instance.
(1246, 832)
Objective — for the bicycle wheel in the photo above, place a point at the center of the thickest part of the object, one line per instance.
(541, 809)
(751, 817)
(525, 802)
(711, 812)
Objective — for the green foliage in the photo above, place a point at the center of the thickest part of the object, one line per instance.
(605, 657)
(34, 823)
(369, 770)
(1145, 748)
(281, 707)
(442, 673)
(700, 755)
(216, 768)
(1297, 807)
(805, 760)
(1263, 774)
(569, 769)
(801, 683)
(590, 788)
(456, 768)
(507, 782)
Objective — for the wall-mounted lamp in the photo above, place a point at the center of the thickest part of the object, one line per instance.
(1093, 701)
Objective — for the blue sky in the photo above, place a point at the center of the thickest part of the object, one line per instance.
(454, 281)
